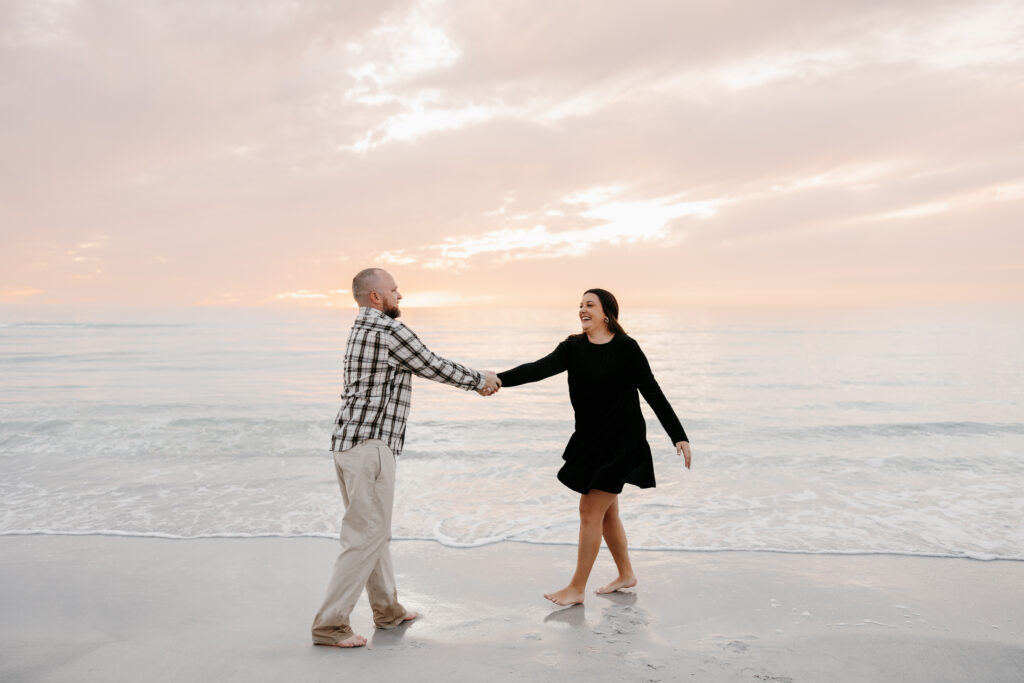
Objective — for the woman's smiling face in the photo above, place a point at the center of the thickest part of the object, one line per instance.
(592, 314)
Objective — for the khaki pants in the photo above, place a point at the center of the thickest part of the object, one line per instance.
(366, 474)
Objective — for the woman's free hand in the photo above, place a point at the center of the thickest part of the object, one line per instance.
(683, 449)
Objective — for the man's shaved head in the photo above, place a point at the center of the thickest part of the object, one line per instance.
(365, 282)
(376, 288)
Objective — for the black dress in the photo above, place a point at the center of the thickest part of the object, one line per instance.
(609, 447)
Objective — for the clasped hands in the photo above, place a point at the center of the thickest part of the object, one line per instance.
(491, 384)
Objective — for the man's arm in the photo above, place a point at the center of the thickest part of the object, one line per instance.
(413, 355)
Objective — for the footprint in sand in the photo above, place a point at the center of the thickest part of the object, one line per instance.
(622, 620)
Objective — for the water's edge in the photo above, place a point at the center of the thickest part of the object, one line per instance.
(978, 557)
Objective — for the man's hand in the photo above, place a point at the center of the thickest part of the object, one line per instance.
(491, 384)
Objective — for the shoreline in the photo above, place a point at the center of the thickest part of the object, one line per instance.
(156, 535)
(130, 608)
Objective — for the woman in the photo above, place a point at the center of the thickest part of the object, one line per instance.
(609, 447)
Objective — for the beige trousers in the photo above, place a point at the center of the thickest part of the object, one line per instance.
(366, 474)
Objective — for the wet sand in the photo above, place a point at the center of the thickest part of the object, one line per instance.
(128, 609)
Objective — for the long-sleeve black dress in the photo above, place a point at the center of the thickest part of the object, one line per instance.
(609, 447)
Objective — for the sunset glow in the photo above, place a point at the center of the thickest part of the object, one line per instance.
(186, 154)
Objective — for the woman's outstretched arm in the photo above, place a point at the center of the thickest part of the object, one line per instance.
(551, 364)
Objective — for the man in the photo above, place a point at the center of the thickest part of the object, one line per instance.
(381, 356)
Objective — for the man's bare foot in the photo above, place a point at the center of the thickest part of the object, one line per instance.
(409, 616)
(352, 641)
(618, 584)
(566, 596)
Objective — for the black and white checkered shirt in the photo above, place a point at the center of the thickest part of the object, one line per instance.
(380, 358)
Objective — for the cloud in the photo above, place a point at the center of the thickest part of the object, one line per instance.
(614, 223)
(401, 47)
(483, 144)
(441, 299)
(301, 294)
(223, 299)
(305, 297)
(1013, 192)
(398, 257)
(14, 294)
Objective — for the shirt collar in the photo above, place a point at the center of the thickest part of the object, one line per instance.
(372, 316)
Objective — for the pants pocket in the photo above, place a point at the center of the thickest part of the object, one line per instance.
(380, 465)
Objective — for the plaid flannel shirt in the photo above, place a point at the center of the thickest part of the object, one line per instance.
(380, 359)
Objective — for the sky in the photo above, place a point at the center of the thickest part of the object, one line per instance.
(692, 154)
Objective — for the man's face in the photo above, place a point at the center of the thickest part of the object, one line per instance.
(389, 294)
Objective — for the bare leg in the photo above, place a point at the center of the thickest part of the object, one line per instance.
(593, 507)
(615, 537)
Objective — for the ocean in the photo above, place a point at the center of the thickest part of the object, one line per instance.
(840, 431)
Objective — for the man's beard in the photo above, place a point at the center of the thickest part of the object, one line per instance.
(392, 311)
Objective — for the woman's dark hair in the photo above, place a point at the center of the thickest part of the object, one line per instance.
(611, 310)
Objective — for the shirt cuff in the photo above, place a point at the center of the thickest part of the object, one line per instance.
(481, 382)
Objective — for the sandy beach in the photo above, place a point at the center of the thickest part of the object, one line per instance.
(129, 609)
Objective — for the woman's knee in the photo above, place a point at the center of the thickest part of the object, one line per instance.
(594, 505)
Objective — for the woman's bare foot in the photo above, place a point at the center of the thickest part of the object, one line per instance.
(618, 584)
(409, 616)
(352, 641)
(566, 596)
